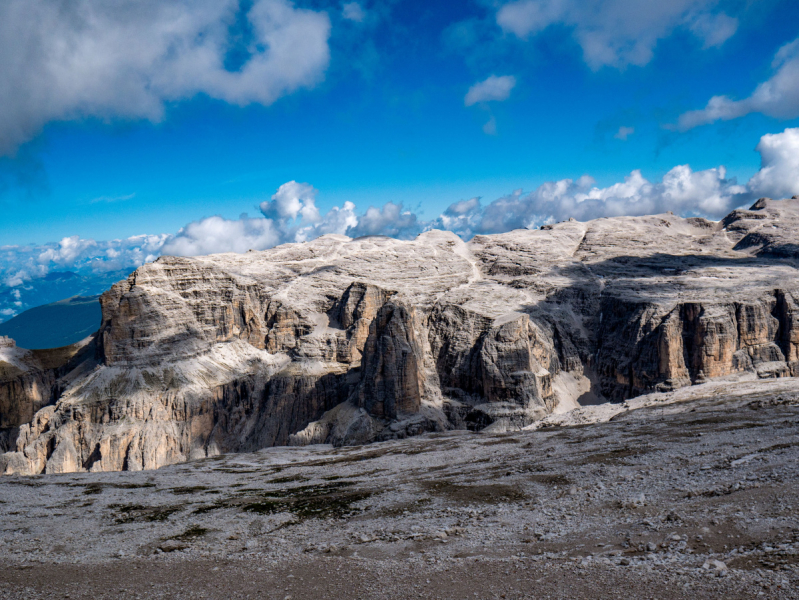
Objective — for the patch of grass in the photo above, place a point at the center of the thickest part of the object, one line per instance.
(550, 479)
(30, 482)
(93, 488)
(612, 456)
(137, 513)
(201, 510)
(237, 471)
(97, 486)
(192, 533)
(182, 491)
(329, 501)
(328, 506)
(351, 456)
(132, 486)
(288, 479)
(497, 442)
(490, 493)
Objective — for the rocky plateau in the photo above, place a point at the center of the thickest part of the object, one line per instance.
(347, 341)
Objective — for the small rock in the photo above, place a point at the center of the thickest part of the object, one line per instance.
(716, 565)
(624, 562)
(635, 501)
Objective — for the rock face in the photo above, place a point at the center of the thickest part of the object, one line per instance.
(349, 341)
(31, 380)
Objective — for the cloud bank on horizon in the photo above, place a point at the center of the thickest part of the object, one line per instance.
(291, 215)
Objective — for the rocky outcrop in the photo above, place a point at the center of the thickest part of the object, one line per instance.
(349, 341)
(32, 379)
(393, 377)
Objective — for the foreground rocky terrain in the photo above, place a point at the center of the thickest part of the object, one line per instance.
(350, 341)
(687, 494)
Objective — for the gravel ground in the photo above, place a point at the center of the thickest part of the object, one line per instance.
(685, 500)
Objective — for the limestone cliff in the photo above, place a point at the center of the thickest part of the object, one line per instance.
(348, 341)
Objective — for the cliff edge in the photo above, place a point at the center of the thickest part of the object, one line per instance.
(348, 341)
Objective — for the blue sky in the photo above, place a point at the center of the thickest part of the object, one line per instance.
(369, 103)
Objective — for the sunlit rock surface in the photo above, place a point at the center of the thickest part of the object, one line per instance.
(349, 341)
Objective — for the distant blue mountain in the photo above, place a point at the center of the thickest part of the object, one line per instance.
(55, 325)
(53, 287)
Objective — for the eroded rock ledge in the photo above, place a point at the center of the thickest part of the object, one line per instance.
(350, 341)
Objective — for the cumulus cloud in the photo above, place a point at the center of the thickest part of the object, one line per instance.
(21, 264)
(337, 220)
(292, 200)
(291, 215)
(681, 190)
(391, 220)
(216, 234)
(708, 193)
(492, 89)
(618, 33)
(778, 176)
(777, 97)
(353, 11)
(463, 217)
(125, 59)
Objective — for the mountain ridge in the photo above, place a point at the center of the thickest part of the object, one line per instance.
(349, 341)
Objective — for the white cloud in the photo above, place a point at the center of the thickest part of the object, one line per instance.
(353, 11)
(337, 220)
(68, 251)
(492, 89)
(292, 200)
(618, 33)
(391, 220)
(462, 217)
(682, 190)
(21, 264)
(778, 176)
(714, 30)
(215, 234)
(777, 97)
(490, 127)
(110, 199)
(125, 59)
(624, 132)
